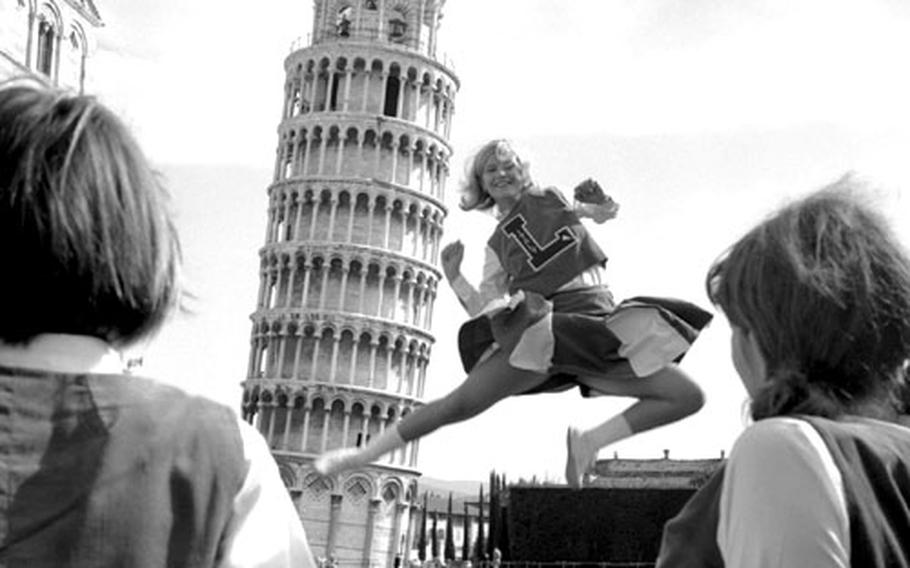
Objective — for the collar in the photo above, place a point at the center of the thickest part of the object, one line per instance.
(63, 353)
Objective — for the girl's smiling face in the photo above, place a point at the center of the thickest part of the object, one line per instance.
(503, 176)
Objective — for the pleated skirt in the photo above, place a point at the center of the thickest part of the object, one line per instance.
(583, 333)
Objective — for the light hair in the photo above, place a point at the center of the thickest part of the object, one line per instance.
(87, 240)
(824, 286)
(473, 194)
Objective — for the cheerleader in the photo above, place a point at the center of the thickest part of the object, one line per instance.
(542, 320)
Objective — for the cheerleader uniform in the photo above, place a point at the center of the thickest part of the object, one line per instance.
(543, 301)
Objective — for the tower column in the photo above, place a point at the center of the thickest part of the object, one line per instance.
(287, 424)
(334, 513)
(325, 285)
(342, 295)
(397, 280)
(347, 427)
(299, 347)
(282, 344)
(388, 224)
(333, 213)
(350, 233)
(423, 171)
(325, 429)
(320, 169)
(382, 278)
(298, 215)
(403, 370)
(292, 269)
(271, 435)
(315, 362)
(303, 150)
(307, 412)
(400, 509)
(352, 369)
(363, 286)
(307, 269)
(374, 346)
(335, 343)
(316, 201)
(372, 510)
(409, 306)
(349, 78)
(393, 176)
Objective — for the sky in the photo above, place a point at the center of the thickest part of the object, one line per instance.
(699, 118)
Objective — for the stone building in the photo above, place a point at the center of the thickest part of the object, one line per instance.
(616, 519)
(54, 38)
(349, 271)
(663, 473)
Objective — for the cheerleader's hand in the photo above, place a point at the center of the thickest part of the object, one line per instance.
(451, 258)
(596, 204)
(589, 191)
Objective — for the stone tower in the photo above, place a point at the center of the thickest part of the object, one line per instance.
(53, 38)
(341, 333)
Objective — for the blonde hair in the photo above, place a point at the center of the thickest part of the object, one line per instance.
(473, 194)
(86, 234)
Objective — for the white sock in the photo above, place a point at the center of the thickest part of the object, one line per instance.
(613, 430)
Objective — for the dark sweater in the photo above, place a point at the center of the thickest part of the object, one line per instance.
(113, 470)
(874, 461)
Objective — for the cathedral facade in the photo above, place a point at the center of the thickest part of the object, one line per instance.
(50, 38)
(341, 333)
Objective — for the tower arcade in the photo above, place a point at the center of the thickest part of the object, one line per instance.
(341, 332)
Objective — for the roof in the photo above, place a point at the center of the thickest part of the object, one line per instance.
(653, 473)
(88, 9)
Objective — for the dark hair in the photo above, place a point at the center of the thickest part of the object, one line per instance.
(87, 242)
(473, 194)
(824, 286)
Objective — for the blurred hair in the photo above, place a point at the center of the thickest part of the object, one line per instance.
(87, 241)
(824, 286)
(473, 194)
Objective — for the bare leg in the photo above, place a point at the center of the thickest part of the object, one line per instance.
(664, 397)
(489, 382)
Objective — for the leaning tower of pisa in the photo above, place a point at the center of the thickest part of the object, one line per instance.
(341, 333)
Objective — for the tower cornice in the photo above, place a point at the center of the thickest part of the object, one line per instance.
(367, 50)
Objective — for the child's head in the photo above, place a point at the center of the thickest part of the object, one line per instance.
(823, 289)
(87, 243)
(474, 193)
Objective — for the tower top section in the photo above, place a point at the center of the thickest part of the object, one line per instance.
(409, 24)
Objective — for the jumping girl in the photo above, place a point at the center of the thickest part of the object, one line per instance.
(544, 321)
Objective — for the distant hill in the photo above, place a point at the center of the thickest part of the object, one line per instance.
(456, 487)
(438, 493)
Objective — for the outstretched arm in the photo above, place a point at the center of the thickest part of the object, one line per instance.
(493, 285)
(592, 201)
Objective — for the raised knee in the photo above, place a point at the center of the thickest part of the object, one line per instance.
(685, 393)
(693, 400)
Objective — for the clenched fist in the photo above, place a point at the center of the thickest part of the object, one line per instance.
(589, 191)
